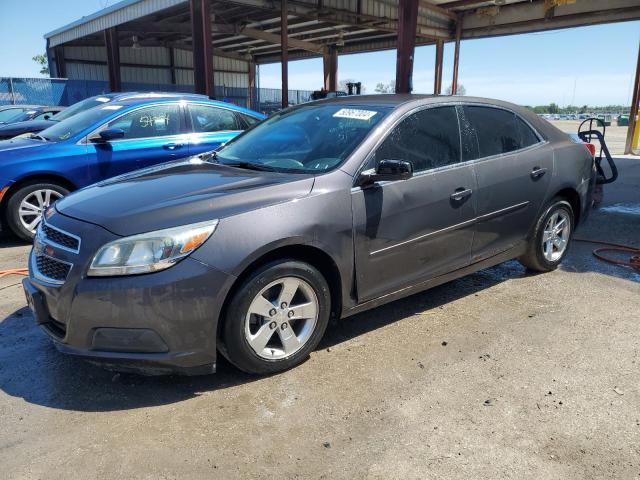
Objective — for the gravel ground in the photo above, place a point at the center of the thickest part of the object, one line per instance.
(498, 375)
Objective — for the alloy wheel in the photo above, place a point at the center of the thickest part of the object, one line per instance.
(33, 205)
(555, 237)
(281, 318)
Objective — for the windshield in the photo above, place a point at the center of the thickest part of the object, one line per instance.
(22, 116)
(11, 114)
(76, 124)
(85, 104)
(310, 139)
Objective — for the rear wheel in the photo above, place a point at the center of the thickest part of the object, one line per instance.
(550, 240)
(26, 205)
(277, 317)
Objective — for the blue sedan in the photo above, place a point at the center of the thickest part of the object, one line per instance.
(105, 141)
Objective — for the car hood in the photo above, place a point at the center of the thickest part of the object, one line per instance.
(179, 193)
(19, 146)
(32, 126)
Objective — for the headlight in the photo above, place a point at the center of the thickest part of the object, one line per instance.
(150, 252)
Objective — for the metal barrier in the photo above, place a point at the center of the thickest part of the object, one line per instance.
(61, 91)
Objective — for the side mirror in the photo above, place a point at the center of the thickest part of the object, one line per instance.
(107, 135)
(47, 117)
(388, 170)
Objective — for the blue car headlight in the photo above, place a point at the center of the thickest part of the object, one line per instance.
(150, 252)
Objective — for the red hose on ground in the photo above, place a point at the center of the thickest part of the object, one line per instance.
(634, 260)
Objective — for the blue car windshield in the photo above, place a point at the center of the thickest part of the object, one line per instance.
(11, 115)
(81, 106)
(309, 139)
(72, 126)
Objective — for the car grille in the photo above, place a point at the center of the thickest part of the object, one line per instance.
(52, 269)
(60, 238)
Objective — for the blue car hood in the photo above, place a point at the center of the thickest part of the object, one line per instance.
(30, 126)
(10, 149)
(179, 193)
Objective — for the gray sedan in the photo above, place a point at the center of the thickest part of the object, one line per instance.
(326, 209)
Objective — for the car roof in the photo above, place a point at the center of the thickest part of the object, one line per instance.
(147, 95)
(394, 100)
(26, 107)
(133, 101)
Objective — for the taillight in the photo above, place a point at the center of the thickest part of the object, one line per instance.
(592, 148)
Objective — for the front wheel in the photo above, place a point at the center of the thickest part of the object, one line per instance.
(277, 317)
(26, 206)
(550, 240)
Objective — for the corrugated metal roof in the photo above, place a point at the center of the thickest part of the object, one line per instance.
(121, 12)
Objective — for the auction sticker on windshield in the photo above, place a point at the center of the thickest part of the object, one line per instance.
(354, 113)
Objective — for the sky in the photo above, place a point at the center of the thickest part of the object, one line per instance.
(588, 65)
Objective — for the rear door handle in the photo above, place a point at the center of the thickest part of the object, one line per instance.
(173, 146)
(538, 172)
(461, 193)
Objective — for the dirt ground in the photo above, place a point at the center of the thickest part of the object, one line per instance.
(498, 375)
(614, 136)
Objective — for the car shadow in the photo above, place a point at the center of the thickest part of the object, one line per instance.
(32, 369)
(7, 240)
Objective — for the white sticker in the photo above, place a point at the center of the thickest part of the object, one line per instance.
(354, 114)
(31, 112)
(112, 107)
(102, 99)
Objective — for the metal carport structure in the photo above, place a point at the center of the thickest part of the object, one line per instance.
(205, 43)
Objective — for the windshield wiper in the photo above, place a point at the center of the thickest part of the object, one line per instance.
(250, 166)
(35, 136)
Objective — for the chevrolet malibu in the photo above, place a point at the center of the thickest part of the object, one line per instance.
(324, 210)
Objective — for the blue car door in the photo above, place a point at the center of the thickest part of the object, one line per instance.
(211, 127)
(152, 134)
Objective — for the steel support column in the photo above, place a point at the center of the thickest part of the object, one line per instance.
(330, 66)
(61, 66)
(251, 90)
(407, 23)
(633, 114)
(456, 56)
(437, 76)
(202, 47)
(284, 48)
(113, 58)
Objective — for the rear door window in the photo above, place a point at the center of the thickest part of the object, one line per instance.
(527, 136)
(428, 139)
(205, 118)
(488, 131)
(496, 130)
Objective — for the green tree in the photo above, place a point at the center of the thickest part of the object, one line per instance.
(42, 60)
(460, 91)
(385, 87)
(553, 108)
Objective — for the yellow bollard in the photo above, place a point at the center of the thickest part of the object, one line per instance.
(636, 136)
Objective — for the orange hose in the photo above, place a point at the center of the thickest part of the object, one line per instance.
(634, 260)
(14, 271)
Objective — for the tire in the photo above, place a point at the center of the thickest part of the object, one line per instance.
(245, 333)
(16, 222)
(545, 258)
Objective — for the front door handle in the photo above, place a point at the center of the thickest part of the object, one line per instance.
(538, 172)
(461, 193)
(173, 146)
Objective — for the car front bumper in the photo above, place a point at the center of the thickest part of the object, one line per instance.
(155, 323)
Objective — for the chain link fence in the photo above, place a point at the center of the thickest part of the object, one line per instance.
(60, 91)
